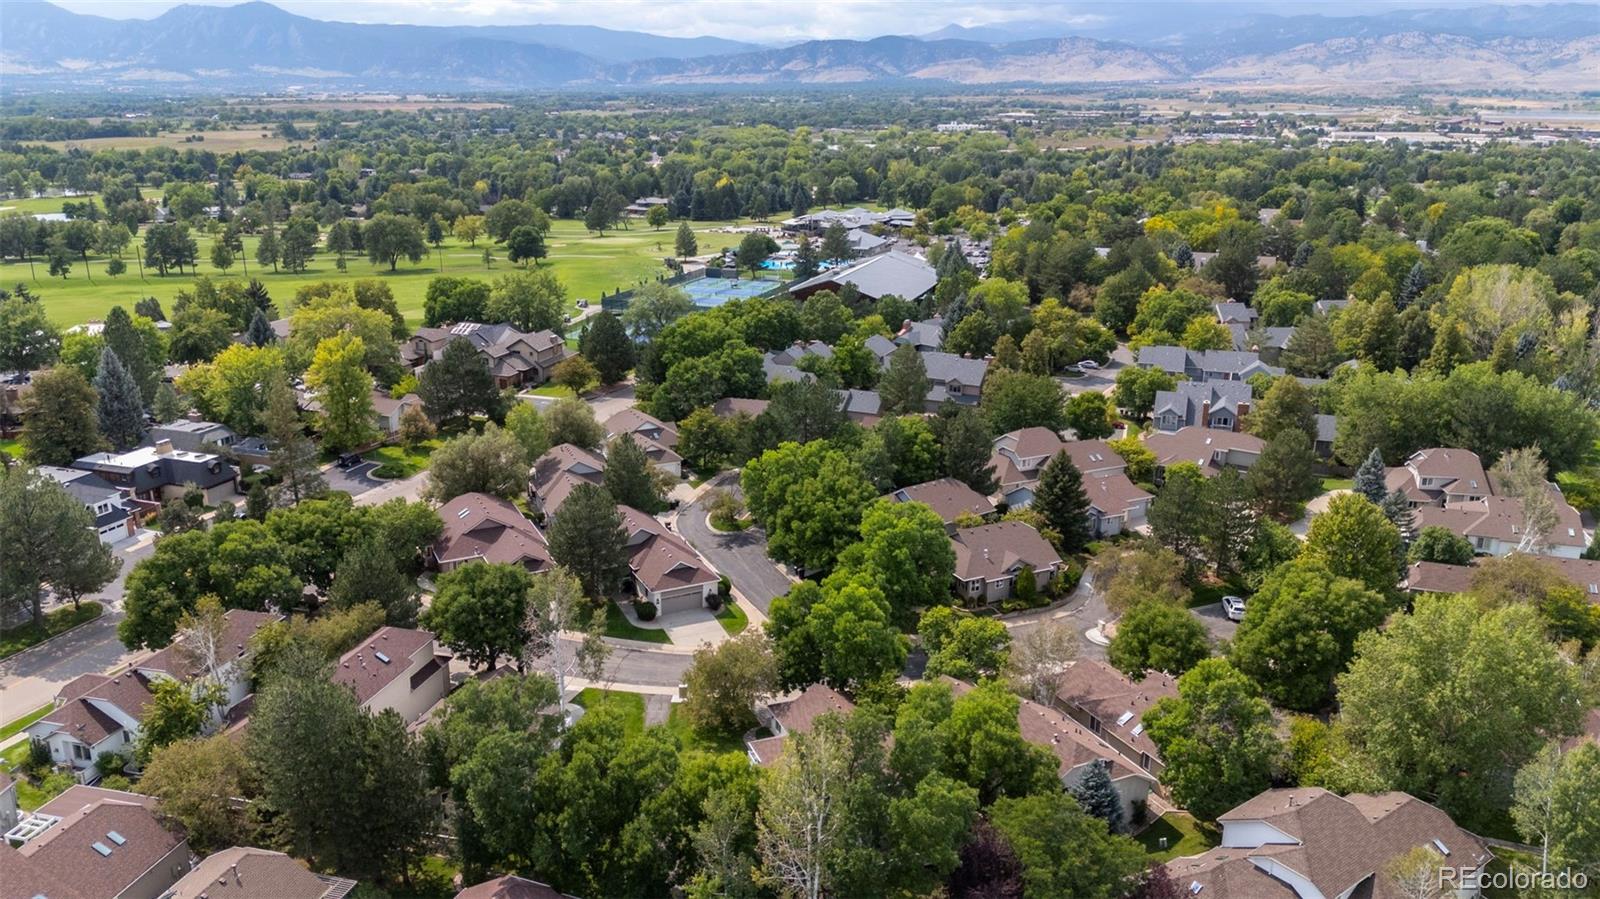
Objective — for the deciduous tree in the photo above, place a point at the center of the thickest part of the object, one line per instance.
(478, 609)
(1216, 737)
(492, 462)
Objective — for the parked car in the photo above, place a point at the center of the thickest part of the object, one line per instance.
(1088, 365)
(1233, 607)
(350, 460)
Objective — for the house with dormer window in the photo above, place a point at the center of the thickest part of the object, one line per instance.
(663, 569)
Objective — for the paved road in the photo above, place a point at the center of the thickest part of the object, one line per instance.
(1217, 624)
(742, 556)
(1085, 609)
(1100, 380)
(354, 481)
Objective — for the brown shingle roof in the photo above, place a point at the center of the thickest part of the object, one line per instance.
(1094, 457)
(511, 887)
(660, 559)
(1197, 444)
(797, 716)
(996, 550)
(641, 424)
(1452, 465)
(1071, 743)
(1030, 442)
(947, 497)
(1113, 494)
(244, 872)
(365, 673)
(1438, 577)
(79, 717)
(1501, 518)
(240, 626)
(728, 407)
(480, 526)
(65, 854)
(1104, 692)
(560, 470)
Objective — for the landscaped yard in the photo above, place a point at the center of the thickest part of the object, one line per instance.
(584, 261)
(1184, 836)
(1337, 484)
(552, 390)
(29, 794)
(1212, 592)
(18, 639)
(631, 705)
(618, 625)
(398, 462)
(678, 723)
(733, 619)
(11, 446)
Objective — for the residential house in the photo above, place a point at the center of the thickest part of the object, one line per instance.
(8, 802)
(561, 469)
(1077, 750)
(245, 872)
(864, 407)
(1438, 577)
(990, 558)
(1449, 488)
(733, 406)
(1019, 457)
(113, 520)
(194, 436)
(96, 714)
(1211, 449)
(1269, 342)
(396, 668)
(1328, 307)
(388, 411)
(1205, 365)
(1116, 504)
(663, 569)
(887, 274)
(1235, 313)
(516, 358)
(953, 378)
(1327, 430)
(510, 886)
(797, 715)
(151, 475)
(882, 348)
(924, 336)
(949, 498)
(1112, 706)
(1204, 404)
(658, 439)
(483, 528)
(14, 388)
(1303, 842)
(89, 843)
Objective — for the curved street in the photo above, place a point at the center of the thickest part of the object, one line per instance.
(741, 555)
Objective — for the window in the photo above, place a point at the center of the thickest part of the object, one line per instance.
(1144, 760)
(80, 752)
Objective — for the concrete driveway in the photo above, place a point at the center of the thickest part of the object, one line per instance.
(742, 556)
(1217, 624)
(354, 481)
(1100, 380)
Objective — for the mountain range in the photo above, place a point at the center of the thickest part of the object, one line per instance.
(257, 46)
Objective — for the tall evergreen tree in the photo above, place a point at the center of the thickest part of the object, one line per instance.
(1183, 256)
(260, 332)
(836, 243)
(903, 389)
(457, 384)
(1370, 476)
(588, 539)
(138, 350)
(1099, 798)
(120, 408)
(1061, 499)
(606, 344)
(1415, 282)
(629, 477)
(685, 243)
(260, 299)
(964, 438)
(168, 406)
(1397, 508)
(805, 259)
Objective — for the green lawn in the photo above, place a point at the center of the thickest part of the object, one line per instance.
(733, 619)
(617, 625)
(586, 263)
(15, 727)
(678, 723)
(553, 390)
(631, 705)
(1337, 484)
(31, 795)
(18, 639)
(399, 462)
(1184, 836)
(11, 446)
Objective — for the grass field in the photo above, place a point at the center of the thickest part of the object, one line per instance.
(240, 140)
(1184, 836)
(732, 618)
(630, 704)
(678, 723)
(584, 261)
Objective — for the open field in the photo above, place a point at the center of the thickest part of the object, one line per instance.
(232, 141)
(586, 263)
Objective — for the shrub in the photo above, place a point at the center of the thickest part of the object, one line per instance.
(714, 603)
(388, 471)
(109, 763)
(724, 588)
(645, 610)
(38, 757)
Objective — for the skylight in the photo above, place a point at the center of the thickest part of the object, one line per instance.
(1138, 728)
(380, 657)
(1443, 849)
(463, 513)
(117, 838)
(1126, 717)
(103, 849)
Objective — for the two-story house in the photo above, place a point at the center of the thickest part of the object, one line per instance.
(949, 498)
(1205, 404)
(1116, 503)
(796, 715)
(991, 557)
(100, 713)
(152, 475)
(1439, 476)
(1205, 365)
(924, 336)
(1450, 489)
(515, 358)
(194, 436)
(658, 439)
(396, 668)
(953, 378)
(1019, 456)
(558, 472)
(483, 528)
(663, 569)
(1308, 843)
(1112, 706)
(91, 843)
(113, 520)
(1209, 448)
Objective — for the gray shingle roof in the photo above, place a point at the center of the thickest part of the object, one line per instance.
(879, 276)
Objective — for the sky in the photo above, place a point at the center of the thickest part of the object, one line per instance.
(752, 20)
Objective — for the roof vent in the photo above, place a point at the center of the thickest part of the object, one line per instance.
(380, 657)
(463, 513)
(1195, 887)
(102, 848)
(117, 838)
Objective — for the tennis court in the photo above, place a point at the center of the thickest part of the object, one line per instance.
(709, 293)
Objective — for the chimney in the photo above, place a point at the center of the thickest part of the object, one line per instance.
(1238, 421)
(1205, 413)
(163, 447)
(194, 415)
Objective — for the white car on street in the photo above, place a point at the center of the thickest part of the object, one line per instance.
(1233, 607)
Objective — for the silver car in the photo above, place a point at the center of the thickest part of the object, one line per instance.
(1233, 607)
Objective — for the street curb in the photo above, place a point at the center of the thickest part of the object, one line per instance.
(51, 639)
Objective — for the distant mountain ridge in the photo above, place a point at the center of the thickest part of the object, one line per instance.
(256, 45)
